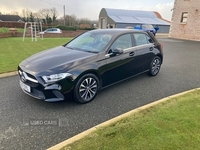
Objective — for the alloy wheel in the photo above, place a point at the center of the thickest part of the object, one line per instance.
(155, 66)
(88, 88)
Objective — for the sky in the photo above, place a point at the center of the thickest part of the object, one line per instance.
(88, 8)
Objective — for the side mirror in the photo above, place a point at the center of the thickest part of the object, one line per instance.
(117, 51)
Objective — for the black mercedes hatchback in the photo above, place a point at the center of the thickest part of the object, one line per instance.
(88, 63)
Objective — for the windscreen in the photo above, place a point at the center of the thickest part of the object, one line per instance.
(91, 42)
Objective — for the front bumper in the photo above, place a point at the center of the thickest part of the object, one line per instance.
(50, 95)
(36, 88)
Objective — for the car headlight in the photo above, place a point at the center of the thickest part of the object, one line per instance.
(55, 77)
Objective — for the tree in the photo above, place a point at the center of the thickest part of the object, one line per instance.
(14, 13)
(48, 19)
(48, 15)
(25, 15)
(73, 20)
(44, 13)
(54, 14)
(31, 17)
(85, 21)
(37, 17)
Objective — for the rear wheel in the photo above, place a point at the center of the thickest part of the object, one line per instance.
(86, 88)
(155, 66)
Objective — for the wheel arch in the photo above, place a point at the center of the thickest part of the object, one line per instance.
(86, 94)
(92, 71)
(161, 57)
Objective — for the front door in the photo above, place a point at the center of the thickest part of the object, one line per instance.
(120, 66)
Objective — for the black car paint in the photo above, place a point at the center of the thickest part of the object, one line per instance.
(55, 59)
(109, 69)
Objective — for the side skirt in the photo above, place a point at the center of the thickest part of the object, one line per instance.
(123, 79)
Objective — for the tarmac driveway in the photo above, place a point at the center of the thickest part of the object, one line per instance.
(27, 123)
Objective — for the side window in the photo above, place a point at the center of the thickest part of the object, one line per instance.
(142, 39)
(122, 42)
(149, 40)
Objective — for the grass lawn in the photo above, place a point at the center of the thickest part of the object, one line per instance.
(14, 50)
(173, 125)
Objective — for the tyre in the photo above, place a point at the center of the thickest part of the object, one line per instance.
(155, 66)
(86, 88)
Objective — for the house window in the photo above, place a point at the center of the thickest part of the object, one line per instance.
(184, 17)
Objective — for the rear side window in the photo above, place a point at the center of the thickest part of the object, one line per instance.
(142, 39)
(49, 29)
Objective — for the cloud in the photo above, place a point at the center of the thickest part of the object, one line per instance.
(163, 9)
(89, 9)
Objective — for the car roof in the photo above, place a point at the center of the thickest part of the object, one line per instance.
(116, 30)
(53, 28)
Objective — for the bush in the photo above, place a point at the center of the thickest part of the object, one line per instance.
(87, 28)
(44, 28)
(66, 28)
(3, 30)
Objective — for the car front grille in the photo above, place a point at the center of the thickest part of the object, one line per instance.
(27, 78)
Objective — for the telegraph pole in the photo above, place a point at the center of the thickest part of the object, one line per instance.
(64, 13)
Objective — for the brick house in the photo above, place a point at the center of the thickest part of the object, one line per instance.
(10, 18)
(186, 20)
(11, 21)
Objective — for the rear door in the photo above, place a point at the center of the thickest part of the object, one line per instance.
(145, 51)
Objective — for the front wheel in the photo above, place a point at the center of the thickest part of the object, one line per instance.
(86, 88)
(155, 66)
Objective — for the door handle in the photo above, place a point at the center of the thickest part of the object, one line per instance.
(131, 53)
(151, 48)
